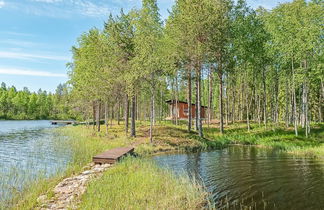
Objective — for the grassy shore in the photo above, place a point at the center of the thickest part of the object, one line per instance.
(142, 178)
(273, 136)
(169, 137)
(84, 144)
(139, 184)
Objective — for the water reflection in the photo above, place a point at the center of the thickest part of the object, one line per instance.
(256, 178)
(29, 150)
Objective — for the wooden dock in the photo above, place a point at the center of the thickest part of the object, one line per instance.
(65, 122)
(113, 155)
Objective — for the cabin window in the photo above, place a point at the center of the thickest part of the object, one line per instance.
(186, 111)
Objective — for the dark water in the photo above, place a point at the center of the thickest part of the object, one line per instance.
(253, 178)
(29, 150)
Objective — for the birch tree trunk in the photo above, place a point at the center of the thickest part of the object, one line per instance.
(98, 115)
(247, 111)
(152, 108)
(241, 102)
(287, 104)
(152, 116)
(277, 110)
(173, 104)
(294, 98)
(112, 115)
(221, 114)
(126, 113)
(106, 117)
(307, 114)
(196, 104)
(199, 122)
(136, 107)
(161, 106)
(94, 115)
(177, 99)
(259, 109)
(226, 109)
(189, 101)
(118, 112)
(133, 113)
(305, 97)
(153, 111)
(233, 106)
(210, 95)
(321, 102)
(264, 99)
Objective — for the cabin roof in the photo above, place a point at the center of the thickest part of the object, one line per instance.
(181, 102)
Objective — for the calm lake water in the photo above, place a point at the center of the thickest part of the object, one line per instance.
(29, 150)
(253, 177)
(235, 176)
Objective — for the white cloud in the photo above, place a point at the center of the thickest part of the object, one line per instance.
(20, 43)
(19, 55)
(88, 8)
(16, 33)
(48, 1)
(66, 8)
(2, 3)
(23, 72)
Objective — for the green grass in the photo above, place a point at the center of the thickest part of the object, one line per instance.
(169, 137)
(85, 143)
(274, 137)
(139, 184)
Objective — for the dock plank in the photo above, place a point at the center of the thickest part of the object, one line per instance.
(66, 122)
(112, 155)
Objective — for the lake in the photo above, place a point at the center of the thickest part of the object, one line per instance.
(255, 178)
(235, 177)
(29, 150)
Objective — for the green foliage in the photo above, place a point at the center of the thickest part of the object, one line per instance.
(169, 138)
(268, 64)
(139, 184)
(25, 105)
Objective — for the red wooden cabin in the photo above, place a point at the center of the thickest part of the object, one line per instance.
(180, 110)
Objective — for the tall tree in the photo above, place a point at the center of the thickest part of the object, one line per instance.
(147, 37)
(218, 37)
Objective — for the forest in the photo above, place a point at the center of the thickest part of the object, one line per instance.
(253, 83)
(245, 64)
(27, 105)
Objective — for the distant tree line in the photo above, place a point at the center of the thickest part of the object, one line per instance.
(244, 64)
(27, 105)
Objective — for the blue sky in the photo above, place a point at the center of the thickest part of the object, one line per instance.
(36, 35)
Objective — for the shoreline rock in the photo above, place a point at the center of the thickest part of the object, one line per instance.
(68, 192)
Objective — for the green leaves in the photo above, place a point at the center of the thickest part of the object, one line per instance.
(254, 52)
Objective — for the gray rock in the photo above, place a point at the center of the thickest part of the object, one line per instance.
(68, 192)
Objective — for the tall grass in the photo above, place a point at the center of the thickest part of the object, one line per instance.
(139, 184)
(275, 137)
(84, 144)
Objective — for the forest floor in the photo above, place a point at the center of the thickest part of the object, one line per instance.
(132, 174)
(169, 137)
(274, 136)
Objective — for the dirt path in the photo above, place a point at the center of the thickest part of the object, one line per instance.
(67, 193)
